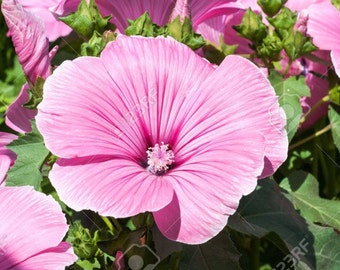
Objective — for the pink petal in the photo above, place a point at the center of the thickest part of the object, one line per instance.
(41, 216)
(53, 258)
(17, 117)
(335, 55)
(159, 10)
(110, 114)
(29, 39)
(203, 113)
(209, 186)
(302, 4)
(45, 11)
(7, 157)
(325, 32)
(116, 187)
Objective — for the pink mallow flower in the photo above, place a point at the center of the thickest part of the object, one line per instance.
(32, 47)
(7, 157)
(31, 230)
(151, 126)
(323, 26)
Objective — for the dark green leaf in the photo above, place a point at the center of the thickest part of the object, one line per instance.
(217, 253)
(268, 210)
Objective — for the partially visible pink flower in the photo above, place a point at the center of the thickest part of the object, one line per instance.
(7, 157)
(48, 12)
(325, 32)
(32, 46)
(29, 40)
(31, 230)
(160, 129)
(17, 117)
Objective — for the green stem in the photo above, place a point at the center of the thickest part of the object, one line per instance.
(108, 223)
(254, 254)
(316, 134)
(287, 68)
(315, 106)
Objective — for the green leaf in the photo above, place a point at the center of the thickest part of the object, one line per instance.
(334, 118)
(87, 264)
(31, 153)
(268, 210)
(326, 247)
(303, 191)
(217, 253)
(290, 91)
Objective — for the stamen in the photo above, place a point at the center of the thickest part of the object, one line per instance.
(160, 157)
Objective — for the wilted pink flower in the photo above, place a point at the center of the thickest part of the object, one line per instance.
(325, 32)
(32, 46)
(31, 230)
(7, 157)
(151, 126)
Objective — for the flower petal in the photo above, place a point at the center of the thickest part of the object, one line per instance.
(29, 39)
(44, 10)
(159, 11)
(55, 258)
(118, 188)
(209, 186)
(17, 117)
(7, 157)
(40, 215)
(121, 103)
(235, 98)
(325, 33)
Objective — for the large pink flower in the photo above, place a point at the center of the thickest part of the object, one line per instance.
(7, 157)
(31, 229)
(151, 126)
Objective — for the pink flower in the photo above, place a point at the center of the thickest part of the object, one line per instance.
(151, 126)
(325, 32)
(7, 157)
(32, 46)
(32, 227)
(48, 13)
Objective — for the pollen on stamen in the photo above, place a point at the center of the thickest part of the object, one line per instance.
(160, 158)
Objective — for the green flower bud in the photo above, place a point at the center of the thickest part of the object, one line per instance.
(271, 7)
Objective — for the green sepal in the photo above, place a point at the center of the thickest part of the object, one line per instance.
(270, 48)
(271, 7)
(86, 19)
(284, 22)
(252, 27)
(216, 54)
(297, 45)
(143, 26)
(97, 43)
(184, 33)
(35, 94)
(83, 243)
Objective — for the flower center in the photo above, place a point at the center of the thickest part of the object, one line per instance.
(160, 158)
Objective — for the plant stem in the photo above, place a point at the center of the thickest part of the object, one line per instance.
(316, 134)
(315, 106)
